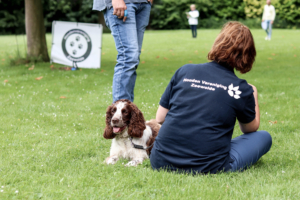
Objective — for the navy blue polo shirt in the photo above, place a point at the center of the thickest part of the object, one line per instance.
(204, 101)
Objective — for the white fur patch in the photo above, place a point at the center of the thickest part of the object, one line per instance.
(121, 147)
(118, 113)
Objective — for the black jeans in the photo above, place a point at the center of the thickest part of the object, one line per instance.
(194, 30)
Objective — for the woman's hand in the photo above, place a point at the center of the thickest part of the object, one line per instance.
(254, 125)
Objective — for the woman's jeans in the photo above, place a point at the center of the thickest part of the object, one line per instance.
(248, 148)
(194, 30)
(128, 38)
(245, 151)
(269, 28)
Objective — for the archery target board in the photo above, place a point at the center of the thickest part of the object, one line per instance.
(76, 44)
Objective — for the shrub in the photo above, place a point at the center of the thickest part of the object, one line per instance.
(170, 14)
(165, 14)
(287, 12)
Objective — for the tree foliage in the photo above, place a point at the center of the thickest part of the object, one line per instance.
(170, 14)
(12, 14)
(69, 10)
(165, 14)
(287, 11)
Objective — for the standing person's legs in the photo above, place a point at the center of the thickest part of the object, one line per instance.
(248, 148)
(270, 30)
(126, 41)
(142, 21)
(267, 29)
(195, 29)
(192, 28)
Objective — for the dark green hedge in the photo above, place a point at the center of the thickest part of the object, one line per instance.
(165, 14)
(170, 14)
(12, 14)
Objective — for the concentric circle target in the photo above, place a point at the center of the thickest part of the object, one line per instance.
(76, 45)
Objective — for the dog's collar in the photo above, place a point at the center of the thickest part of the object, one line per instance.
(139, 146)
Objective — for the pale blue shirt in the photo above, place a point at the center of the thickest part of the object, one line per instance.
(101, 5)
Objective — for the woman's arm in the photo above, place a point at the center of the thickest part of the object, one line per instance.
(273, 15)
(254, 125)
(194, 14)
(161, 114)
(264, 14)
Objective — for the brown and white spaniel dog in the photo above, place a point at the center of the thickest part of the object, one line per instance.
(132, 136)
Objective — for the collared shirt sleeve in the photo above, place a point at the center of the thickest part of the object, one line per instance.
(247, 114)
(194, 14)
(99, 5)
(165, 98)
(273, 13)
(264, 13)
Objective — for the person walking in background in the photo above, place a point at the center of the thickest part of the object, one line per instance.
(193, 19)
(127, 20)
(269, 17)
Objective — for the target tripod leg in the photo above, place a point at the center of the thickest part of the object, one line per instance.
(75, 67)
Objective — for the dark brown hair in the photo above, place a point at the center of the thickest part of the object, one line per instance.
(137, 122)
(234, 47)
(108, 131)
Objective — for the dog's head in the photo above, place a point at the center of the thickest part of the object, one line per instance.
(121, 116)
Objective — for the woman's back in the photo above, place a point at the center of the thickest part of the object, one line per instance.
(203, 101)
(200, 106)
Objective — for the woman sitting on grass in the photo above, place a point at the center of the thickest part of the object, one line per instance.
(200, 106)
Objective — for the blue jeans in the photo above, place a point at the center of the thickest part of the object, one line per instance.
(245, 151)
(248, 148)
(194, 30)
(269, 28)
(128, 38)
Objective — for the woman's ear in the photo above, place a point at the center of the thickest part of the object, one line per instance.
(108, 132)
(136, 125)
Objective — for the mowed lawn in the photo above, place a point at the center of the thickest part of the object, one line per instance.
(51, 144)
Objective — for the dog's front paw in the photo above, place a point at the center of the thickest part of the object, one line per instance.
(111, 160)
(133, 163)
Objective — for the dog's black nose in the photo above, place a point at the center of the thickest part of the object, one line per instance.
(115, 121)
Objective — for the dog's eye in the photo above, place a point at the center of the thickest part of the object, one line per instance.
(124, 111)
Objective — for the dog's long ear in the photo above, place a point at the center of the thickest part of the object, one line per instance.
(108, 132)
(136, 125)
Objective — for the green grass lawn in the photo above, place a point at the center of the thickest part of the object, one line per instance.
(52, 147)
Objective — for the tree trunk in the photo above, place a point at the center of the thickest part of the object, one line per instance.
(35, 30)
(101, 19)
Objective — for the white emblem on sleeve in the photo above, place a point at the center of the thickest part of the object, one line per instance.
(234, 91)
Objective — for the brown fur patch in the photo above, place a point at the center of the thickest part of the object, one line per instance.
(155, 129)
(108, 131)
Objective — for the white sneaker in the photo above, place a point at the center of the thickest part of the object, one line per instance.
(266, 38)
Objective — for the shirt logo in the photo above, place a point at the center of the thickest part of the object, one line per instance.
(234, 91)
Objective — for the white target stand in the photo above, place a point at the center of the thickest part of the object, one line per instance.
(76, 44)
